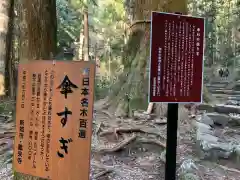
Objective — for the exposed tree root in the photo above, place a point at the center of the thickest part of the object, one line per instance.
(152, 141)
(102, 173)
(162, 122)
(109, 168)
(131, 130)
(229, 169)
(107, 113)
(127, 141)
(98, 129)
(119, 146)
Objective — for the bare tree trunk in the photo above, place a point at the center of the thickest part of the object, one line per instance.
(81, 46)
(4, 6)
(86, 35)
(132, 91)
(38, 30)
(38, 37)
(9, 76)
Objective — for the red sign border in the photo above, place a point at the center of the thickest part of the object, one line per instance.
(150, 68)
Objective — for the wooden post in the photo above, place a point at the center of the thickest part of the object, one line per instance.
(86, 35)
(81, 45)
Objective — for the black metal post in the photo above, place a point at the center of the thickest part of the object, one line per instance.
(172, 125)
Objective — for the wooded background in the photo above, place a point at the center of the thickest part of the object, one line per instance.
(115, 34)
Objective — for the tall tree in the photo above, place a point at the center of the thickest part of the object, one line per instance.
(10, 77)
(84, 6)
(211, 38)
(86, 31)
(4, 9)
(38, 34)
(38, 31)
(131, 91)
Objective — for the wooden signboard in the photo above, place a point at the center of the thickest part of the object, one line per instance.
(176, 73)
(54, 119)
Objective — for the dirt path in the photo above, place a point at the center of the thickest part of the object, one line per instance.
(134, 148)
(126, 149)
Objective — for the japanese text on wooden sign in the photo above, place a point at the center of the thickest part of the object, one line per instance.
(176, 58)
(54, 119)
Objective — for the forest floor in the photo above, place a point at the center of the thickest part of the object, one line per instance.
(131, 148)
(7, 133)
(134, 148)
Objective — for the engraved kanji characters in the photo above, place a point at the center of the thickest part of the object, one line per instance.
(64, 146)
(65, 114)
(66, 86)
(84, 104)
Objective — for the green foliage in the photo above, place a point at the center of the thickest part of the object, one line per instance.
(6, 107)
(69, 23)
(2, 108)
(109, 22)
(221, 16)
(101, 88)
(81, 4)
(106, 25)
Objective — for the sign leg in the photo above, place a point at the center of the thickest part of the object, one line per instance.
(172, 124)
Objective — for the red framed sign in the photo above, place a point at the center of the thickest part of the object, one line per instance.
(176, 69)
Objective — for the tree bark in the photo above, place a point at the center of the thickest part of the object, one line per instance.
(81, 46)
(4, 9)
(9, 60)
(37, 37)
(131, 91)
(86, 35)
